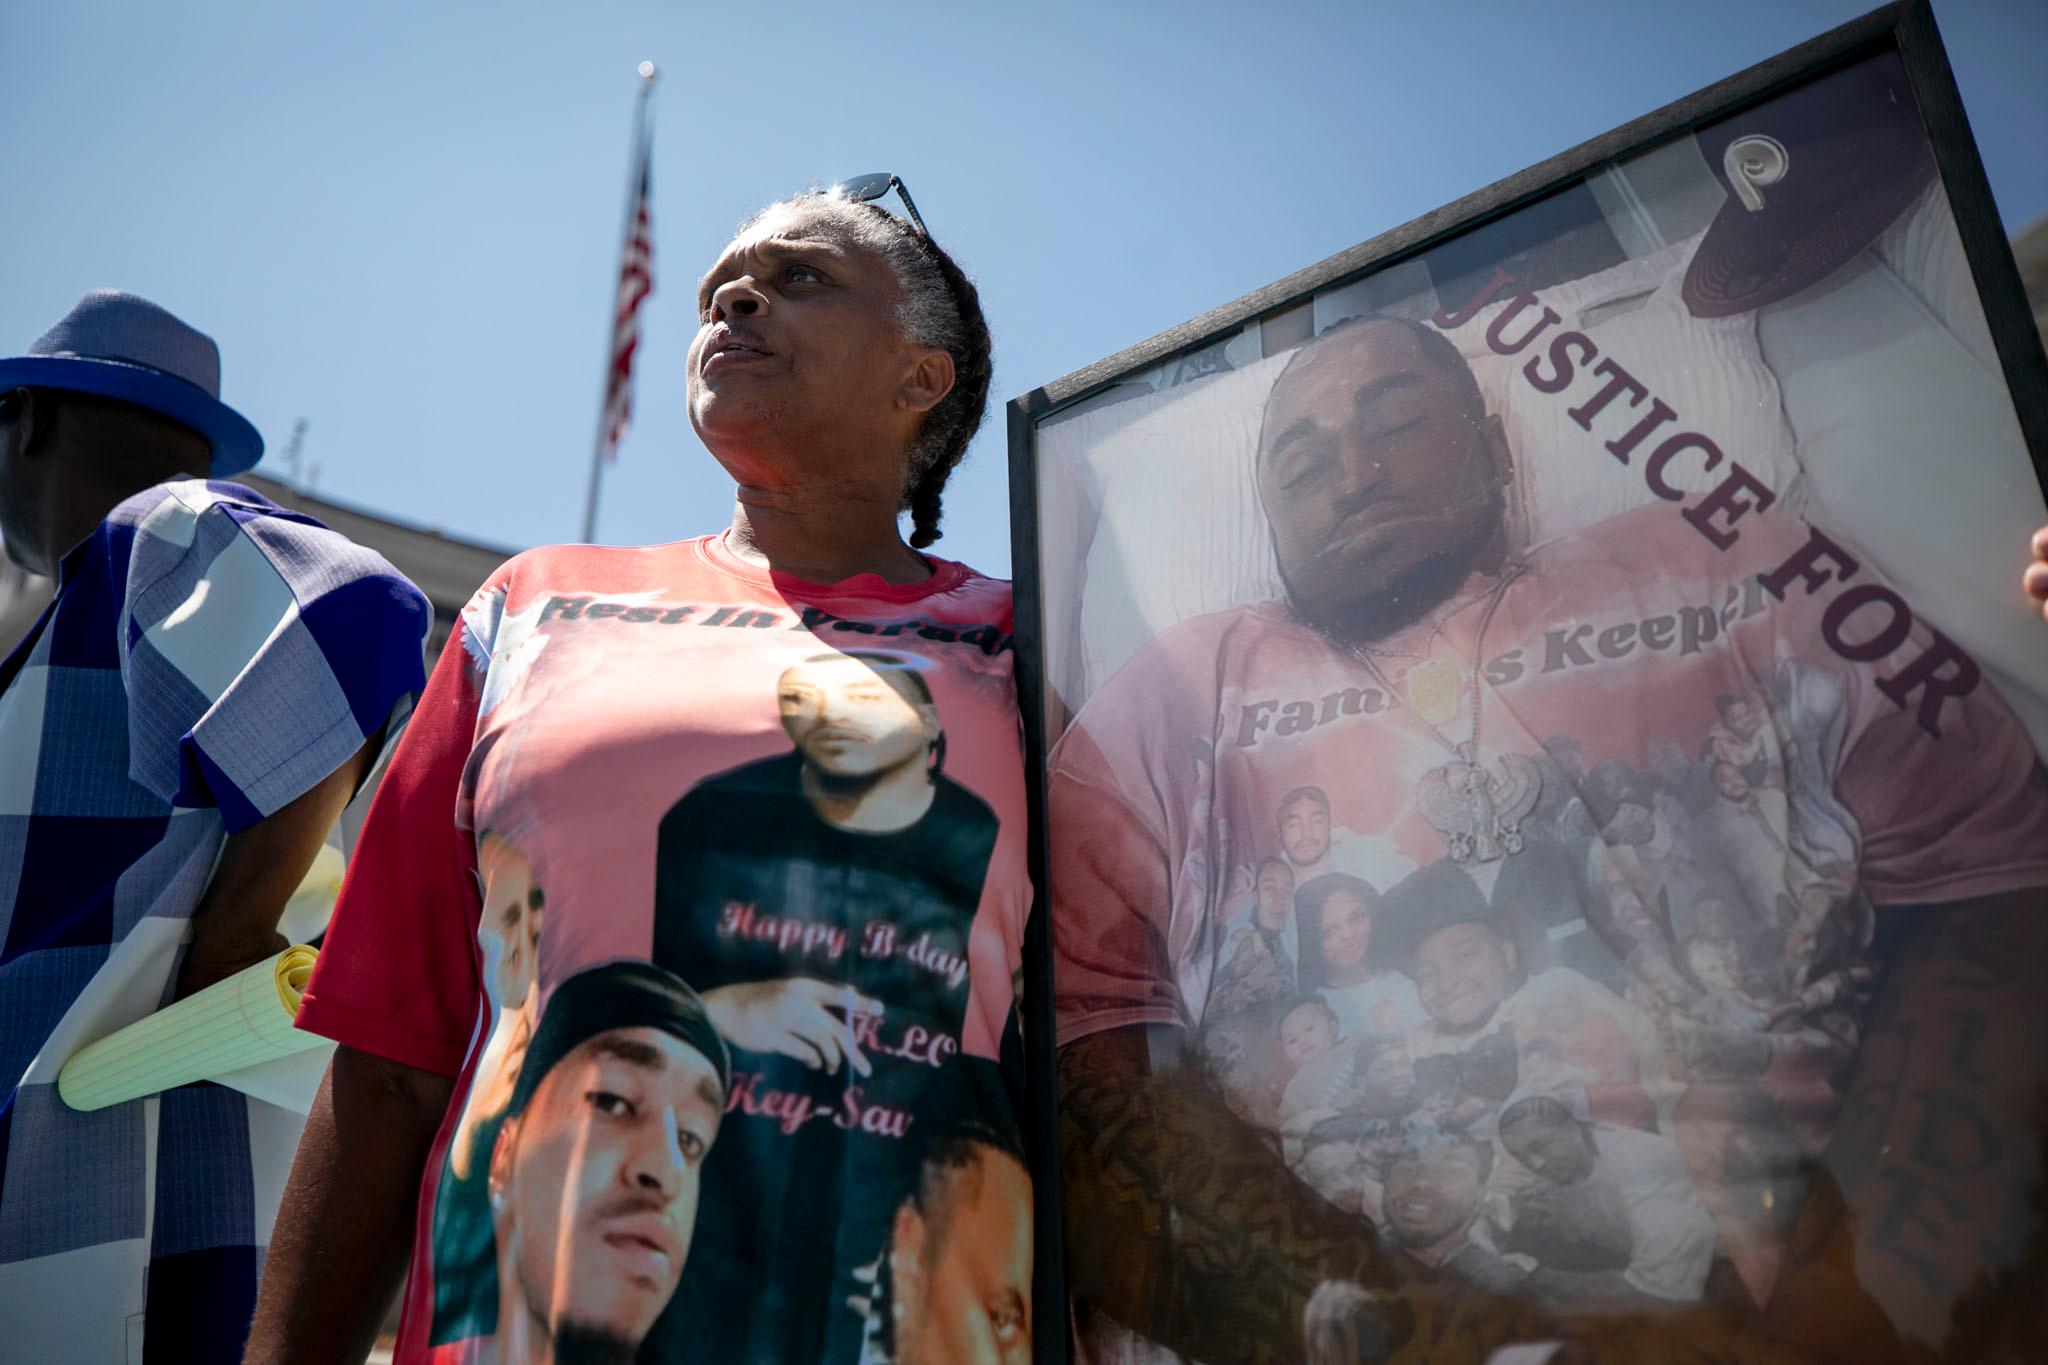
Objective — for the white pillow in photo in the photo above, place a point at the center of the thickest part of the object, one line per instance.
(1711, 371)
(1178, 527)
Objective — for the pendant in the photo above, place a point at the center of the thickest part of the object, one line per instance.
(1477, 810)
(1431, 690)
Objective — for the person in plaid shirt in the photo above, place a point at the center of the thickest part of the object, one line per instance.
(178, 733)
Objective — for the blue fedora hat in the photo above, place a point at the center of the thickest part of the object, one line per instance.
(116, 345)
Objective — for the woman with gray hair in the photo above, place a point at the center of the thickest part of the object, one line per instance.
(711, 763)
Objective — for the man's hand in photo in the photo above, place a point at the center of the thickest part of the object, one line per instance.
(801, 1017)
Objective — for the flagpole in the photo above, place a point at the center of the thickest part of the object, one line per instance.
(639, 150)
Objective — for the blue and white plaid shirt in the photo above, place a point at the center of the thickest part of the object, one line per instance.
(209, 656)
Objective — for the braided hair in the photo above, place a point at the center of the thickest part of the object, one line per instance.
(940, 308)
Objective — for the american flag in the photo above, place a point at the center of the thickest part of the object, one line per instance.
(636, 282)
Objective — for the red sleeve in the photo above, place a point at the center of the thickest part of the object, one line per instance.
(1953, 817)
(1128, 799)
(398, 974)
(1948, 806)
(1112, 901)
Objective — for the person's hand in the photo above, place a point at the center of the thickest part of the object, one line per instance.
(800, 1017)
(214, 957)
(2036, 577)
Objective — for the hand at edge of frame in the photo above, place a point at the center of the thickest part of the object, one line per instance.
(2035, 579)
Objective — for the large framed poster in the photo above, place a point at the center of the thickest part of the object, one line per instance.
(1541, 803)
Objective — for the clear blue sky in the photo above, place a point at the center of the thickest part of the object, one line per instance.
(401, 220)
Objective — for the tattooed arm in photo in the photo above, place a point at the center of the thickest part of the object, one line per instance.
(1183, 1223)
(1939, 1149)
(1184, 1226)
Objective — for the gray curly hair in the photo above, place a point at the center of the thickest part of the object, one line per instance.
(941, 308)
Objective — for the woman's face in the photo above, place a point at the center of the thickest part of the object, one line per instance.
(798, 354)
(1347, 929)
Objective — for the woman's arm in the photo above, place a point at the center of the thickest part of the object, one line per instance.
(344, 1229)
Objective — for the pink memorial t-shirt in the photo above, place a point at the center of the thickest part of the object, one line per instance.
(709, 884)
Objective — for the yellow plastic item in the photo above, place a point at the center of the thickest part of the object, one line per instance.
(232, 1024)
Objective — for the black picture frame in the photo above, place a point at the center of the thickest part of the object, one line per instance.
(1906, 27)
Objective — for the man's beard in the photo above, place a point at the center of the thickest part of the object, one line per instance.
(1407, 596)
(584, 1343)
(845, 786)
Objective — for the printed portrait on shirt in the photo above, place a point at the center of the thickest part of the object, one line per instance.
(952, 1285)
(590, 1173)
(828, 894)
(514, 909)
(853, 857)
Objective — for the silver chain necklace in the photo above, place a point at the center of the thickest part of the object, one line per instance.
(1478, 811)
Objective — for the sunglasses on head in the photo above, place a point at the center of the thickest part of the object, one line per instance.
(865, 189)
